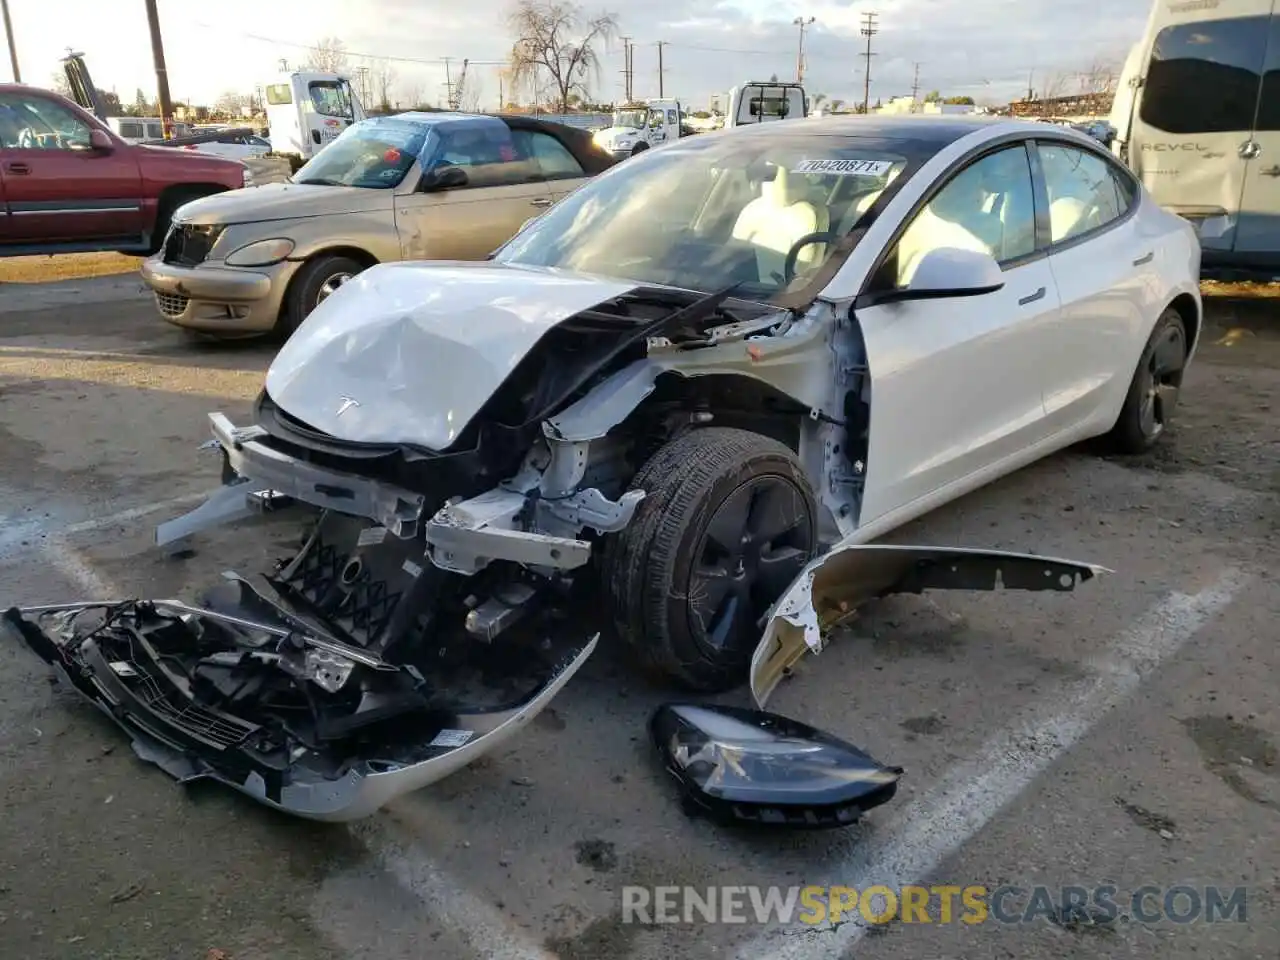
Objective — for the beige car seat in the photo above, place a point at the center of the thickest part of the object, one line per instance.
(1068, 216)
(777, 219)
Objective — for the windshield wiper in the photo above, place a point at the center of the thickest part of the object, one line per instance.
(323, 182)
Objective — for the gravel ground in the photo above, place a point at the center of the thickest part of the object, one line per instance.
(1127, 733)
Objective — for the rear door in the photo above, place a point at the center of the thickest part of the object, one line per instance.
(59, 189)
(1191, 134)
(562, 171)
(957, 380)
(505, 187)
(1105, 271)
(1259, 230)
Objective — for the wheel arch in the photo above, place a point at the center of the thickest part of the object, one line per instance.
(1190, 311)
(359, 254)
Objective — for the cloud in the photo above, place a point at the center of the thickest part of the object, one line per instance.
(983, 48)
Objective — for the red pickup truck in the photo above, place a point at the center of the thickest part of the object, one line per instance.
(70, 185)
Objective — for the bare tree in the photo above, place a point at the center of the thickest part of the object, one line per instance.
(413, 95)
(1101, 77)
(328, 56)
(556, 39)
(1053, 86)
(471, 99)
(384, 75)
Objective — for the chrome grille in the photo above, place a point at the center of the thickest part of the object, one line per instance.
(172, 305)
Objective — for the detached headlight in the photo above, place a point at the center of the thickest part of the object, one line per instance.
(262, 253)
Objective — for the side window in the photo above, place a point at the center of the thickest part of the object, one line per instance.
(489, 154)
(131, 130)
(1083, 192)
(1205, 77)
(329, 98)
(553, 158)
(1269, 105)
(36, 123)
(672, 117)
(986, 207)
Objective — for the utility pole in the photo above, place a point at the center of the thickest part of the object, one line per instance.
(802, 23)
(627, 48)
(1031, 90)
(869, 30)
(363, 72)
(162, 74)
(661, 44)
(915, 86)
(13, 46)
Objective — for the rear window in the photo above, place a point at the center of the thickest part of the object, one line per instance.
(279, 93)
(1206, 77)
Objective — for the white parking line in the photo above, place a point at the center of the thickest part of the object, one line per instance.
(924, 832)
(15, 530)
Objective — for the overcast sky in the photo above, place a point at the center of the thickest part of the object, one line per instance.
(982, 48)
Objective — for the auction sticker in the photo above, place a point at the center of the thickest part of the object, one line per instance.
(451, 738)
(847, 168)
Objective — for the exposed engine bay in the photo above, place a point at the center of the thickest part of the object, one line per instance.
(462, 511)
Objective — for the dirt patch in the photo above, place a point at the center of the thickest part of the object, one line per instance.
(1215, 288)
(1236, 753)
(66, 266)
(1155, 822)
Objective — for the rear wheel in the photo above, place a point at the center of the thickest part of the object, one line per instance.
(728, 522)
(318, 279)
(1153, 392)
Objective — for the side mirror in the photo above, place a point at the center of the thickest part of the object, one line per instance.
(944, 273)
(101, 140)
(444, 178)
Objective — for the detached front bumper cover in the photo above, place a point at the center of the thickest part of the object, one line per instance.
(190, 741)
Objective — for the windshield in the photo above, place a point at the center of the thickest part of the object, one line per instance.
(705, 215)
(373, 153)
(631, 118)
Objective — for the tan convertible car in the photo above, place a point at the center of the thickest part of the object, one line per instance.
(415, 186)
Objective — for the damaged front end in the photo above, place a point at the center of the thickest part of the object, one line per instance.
(244, 692)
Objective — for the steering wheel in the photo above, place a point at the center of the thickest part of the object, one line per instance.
(793, 255)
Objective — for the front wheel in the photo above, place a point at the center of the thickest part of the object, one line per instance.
(1153, 391)
(316, 281)
(640, 147)
(728, 522)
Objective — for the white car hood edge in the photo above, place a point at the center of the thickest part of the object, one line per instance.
(408, 353)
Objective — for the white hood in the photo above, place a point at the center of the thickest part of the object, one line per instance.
(420, 347)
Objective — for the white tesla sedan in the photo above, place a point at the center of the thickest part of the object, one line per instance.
(697, 387)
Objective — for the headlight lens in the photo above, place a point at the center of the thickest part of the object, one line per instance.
(262, 253)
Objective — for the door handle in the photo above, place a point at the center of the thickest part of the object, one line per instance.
(1271, 171)
(1032, 298)
(21, 169)
(541, 202)
(1145, 259)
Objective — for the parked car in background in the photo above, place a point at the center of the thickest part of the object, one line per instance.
(69, 184)
(414, 186)
(137, 130)
(1197, 119)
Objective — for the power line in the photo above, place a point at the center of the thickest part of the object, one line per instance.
(869, 30)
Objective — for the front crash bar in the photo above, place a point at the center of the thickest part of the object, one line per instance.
(362, 789)
(259, 467)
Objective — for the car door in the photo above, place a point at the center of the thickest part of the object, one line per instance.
(59, 188)
(563, 172)
(956, 380)
(504, 188)
(1259, 230)
(5, 225)
(1106, 273)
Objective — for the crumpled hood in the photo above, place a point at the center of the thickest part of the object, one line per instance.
(284, 201)
(408, 353)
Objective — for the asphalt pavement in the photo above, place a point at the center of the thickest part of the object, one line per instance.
(1123, 736)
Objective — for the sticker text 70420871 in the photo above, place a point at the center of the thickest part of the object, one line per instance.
(859, 168)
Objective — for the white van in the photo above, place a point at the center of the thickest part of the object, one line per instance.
(1197, 118)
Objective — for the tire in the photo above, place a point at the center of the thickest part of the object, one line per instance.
(640, 147)
(679, 622)
(318, 277)
(164, 216)
(1153, 391)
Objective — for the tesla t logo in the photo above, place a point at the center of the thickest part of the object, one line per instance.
(347, 404)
